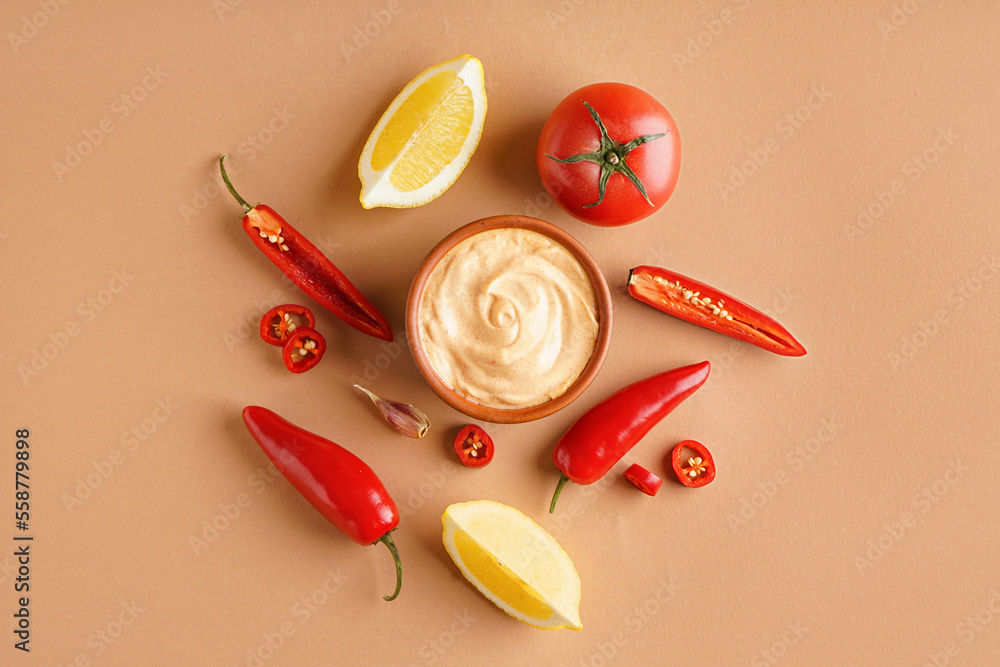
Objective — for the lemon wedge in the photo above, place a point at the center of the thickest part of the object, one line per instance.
(426, 137)
(514, 563)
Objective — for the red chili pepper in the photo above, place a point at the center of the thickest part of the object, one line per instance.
(308, 267)
(698, 470)
(604, 434)
(335, 481)
(303, 349)
(643, 480)
(474, 446)
(279, 322)
(705, 306)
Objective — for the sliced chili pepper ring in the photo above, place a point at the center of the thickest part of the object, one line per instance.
(693, 471)
(303, 349)
(279, 322)
(643, 480)
(474, 446)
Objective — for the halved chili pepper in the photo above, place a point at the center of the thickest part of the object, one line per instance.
(474, 446)
(279, 322)
(643, 480)
(334, 481)
(308, 267)
(604, 434)
(303, 349)
(697, 470)
(696, 302)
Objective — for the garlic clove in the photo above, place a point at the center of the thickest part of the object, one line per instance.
(403, 417)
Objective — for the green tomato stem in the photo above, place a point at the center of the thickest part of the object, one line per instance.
(612, 157)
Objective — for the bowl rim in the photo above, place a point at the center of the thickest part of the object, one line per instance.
(602, 295)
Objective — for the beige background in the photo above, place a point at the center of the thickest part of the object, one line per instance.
(853, 520)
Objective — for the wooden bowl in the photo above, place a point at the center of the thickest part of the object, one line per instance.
(514, 415)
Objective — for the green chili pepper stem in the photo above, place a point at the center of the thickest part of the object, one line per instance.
(555, 496)
(232, 190)
(387, 541)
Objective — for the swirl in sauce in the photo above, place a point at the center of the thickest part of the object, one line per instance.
(508, 318)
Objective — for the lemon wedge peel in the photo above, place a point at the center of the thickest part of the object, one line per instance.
(431, 139)
(514, 563)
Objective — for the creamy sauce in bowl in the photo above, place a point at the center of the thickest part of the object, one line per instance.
(508, 318)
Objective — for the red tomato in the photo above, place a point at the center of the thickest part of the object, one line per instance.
(599, 177)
